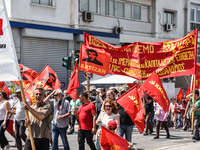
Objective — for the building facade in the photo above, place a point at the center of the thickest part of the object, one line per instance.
(45, 31)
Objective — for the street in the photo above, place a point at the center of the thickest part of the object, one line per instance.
(179, 139)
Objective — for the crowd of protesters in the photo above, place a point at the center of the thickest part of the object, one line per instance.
(54, 112)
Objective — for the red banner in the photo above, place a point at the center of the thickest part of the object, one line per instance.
(111, 141)
(72, 89)
(5, 89)
(138, 60)
(1, 26)
(197, 81)
(94, 60)
(180, 95)
(46, 79)
(28, 75)
(154, 88)
(187, 92)
(133, 105)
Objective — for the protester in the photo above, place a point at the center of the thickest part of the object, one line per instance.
(149, 114)
(100, 99)
(93, 96)
(39, 119)
(4, 111)
(187, 118)
(183, 106)
(60, 122)
(87, 117)
(196, 111)
(126, 124)
(74, 105)
(174, 108)
(112, 125)
(110, 112)
(161, 117)
(18, 110)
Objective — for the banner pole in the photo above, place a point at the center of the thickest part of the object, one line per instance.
(26, 113)
(144, 104)
(193, 102)
(88, 86)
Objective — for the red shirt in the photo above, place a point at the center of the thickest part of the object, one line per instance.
(85, 112)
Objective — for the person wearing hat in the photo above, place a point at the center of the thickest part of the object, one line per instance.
(18, 110)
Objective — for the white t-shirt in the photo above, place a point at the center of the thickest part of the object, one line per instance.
(20, 114)
(106, 118)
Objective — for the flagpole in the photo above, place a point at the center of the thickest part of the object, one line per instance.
(144, 104)
(88, 86)
(193, 98)
(26, 113)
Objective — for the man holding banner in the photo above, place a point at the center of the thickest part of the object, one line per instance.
(39, 115)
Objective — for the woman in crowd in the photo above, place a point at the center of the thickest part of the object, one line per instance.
(110, 112)
(4, 111)
(161, 116)
(174, 108)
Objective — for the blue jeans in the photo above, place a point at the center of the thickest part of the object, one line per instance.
(62, 132)
(127, 130)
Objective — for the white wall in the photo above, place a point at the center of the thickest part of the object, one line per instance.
(25, 11)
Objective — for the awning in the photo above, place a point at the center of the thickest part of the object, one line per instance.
(110, 79)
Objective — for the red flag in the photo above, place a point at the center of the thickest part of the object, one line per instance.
(94, 60)
(72, 89)
(5, 89)
(1, 85)
(154, 88)
(133, 105)
(111, 141)
(46, 79)
(180, 95)
(187, 92)
(197, 81)
(28, 75)
(1, 26)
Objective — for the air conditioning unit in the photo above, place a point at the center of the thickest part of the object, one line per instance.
(118, 30)
(168, 27)
(88, 16)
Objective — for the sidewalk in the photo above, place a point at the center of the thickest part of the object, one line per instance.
(187, 146)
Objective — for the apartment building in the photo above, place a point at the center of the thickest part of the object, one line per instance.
(45, 31)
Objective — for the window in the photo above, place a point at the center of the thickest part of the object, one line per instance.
(107, 7)
(192, 14)
(168, 17)
(88, 5)
(120, 9)
(43, 2)
(197, 15)
(128, 10)
(137, 12)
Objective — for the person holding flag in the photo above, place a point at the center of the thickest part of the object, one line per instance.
(196, 111)
(39, 119)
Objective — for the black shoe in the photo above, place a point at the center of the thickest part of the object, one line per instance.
(145, 134)
(168, 136)
(156, 137)
(70, 133)
(195, 138)
(151, 132)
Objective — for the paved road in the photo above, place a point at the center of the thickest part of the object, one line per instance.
(179, 140)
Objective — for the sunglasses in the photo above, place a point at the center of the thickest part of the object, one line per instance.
(108, 106)
(56, 94)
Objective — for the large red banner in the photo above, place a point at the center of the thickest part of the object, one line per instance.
(133, 105)
(138, 60)
(154, 88)
(46, 79)
(94, 60)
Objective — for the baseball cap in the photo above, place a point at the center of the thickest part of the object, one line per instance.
(112, 124)
(18, 91)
